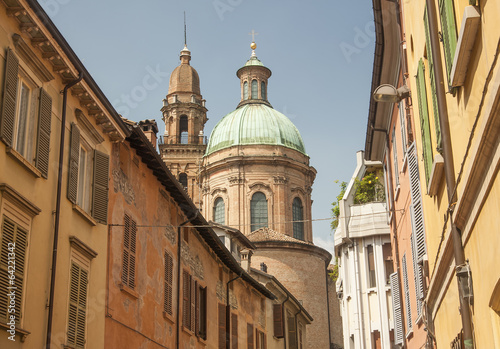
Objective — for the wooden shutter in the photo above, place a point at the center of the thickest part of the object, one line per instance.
(203, 312)
(12, 233)
(8, 115)
(424, 121)
(167, 293)
(74, 160)
(258, 339)
(186, 305)
(234, 331)
(100, 194)
(222, 326)
(449, 32)
(194, 286)
(278, 320)
(406, 291)
(43, 136)
(432, 80)
(77, 306)
(396, 308)
(292, 332)
(250, 336)
(129, 249)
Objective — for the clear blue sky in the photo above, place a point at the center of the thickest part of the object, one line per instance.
(320, 53)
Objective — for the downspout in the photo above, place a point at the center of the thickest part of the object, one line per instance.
(283, 319)
(58, 209)
(328, 307)
(228, 311)
(179, 241)
(458, 249)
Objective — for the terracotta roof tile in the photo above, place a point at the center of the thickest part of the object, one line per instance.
(266, 234)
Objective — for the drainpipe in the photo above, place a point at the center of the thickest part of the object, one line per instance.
(58, 209)
(178, 310)
(449, 169)
(283, 319)
(228, 311)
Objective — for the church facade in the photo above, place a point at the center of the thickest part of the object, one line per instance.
(253, 175)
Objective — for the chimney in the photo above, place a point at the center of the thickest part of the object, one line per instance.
(150, 129)
(246, 256)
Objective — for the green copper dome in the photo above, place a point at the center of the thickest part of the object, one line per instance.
(255, 123)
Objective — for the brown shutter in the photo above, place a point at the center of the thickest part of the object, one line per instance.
(194, 317)
(257, 342)
(250, 336)
(126, 249)
(169, 268)
(203, 312)
(222, 326)
(8, 115)
(292, 333)
(131, 265)
(43, 138)
(278, 320)
(265, 341)
(234, 331)
(74, 160)
(12, 233)
(100, 195)
(77, 306)
(186, 306)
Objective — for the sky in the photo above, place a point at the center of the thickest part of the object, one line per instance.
(320, 53)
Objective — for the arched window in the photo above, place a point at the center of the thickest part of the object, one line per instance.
(183, 178)
(298, 216)
(219, 211)
(245, 90)
(183, 130)
(258, 211)
(263, 90)
(255, 89)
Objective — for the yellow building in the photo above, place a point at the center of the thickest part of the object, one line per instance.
(452, 49)
(53, 199)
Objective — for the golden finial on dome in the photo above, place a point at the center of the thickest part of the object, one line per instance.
(253, 45)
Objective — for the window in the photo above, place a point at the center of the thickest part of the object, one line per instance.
(292, 332)
(187, 300)
(263, 91)
(234, 331)
(168, 284)
(245, 90)
(26, 116)
(77, 306)
(183, 180)
(129, 249)
(88, 177)
(219, 211)
(223, 239)
(201, 312)
(388, 266)
(14, 240)
(402, 123)
(258, 211)
(194, 306)
(278, 320)
(424, 121)
(449, 32)
(372, 282)
(298, 217)
(183, 130)
(406, 292)
(250, 339)
(301, 339)
(395, 156)
(260, 339)
(255, 89)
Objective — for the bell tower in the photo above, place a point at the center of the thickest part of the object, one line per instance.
(184, 114)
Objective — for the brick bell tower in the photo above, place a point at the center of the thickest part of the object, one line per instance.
(183, 143)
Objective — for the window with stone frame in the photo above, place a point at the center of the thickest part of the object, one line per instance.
(255, 89)
(25, 117)
(298, 217)
(219, 211)
(258, 211)
(194, 306)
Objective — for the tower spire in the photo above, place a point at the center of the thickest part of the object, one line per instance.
(185, 36)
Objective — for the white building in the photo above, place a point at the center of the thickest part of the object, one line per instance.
(363, 248)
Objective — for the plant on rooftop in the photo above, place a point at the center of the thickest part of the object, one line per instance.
(369, 188)
(335, 206)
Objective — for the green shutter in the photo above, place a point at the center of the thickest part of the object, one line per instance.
(74, 160)
(9, 98)
(12, 233)
(77, 306)
(424, 121)
(100, 194)
(433, 83)
(43, 137)
(449, 32)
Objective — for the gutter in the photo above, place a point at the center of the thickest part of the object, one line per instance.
(58, 209)
(228, 312)
(179, 262)
(449, 169)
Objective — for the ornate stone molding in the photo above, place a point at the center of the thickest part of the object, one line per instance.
(194, 262)
(121, 184)
(280, 180)
(260, 186)
(170, 234)
(236, 180)
(218, 190)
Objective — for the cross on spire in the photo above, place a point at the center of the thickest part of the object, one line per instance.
(253, 33)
